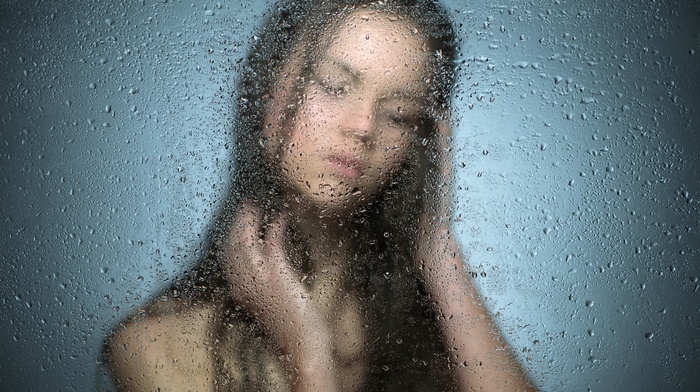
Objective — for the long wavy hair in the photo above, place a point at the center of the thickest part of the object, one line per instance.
(386, 224)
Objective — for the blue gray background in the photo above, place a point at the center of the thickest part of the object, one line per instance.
(577, 146)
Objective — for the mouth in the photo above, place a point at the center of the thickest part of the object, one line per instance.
(345, 165)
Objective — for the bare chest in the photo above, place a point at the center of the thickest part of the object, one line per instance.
(249, 361)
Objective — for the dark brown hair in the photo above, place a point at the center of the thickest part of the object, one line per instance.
(387, 225)
(299, 25)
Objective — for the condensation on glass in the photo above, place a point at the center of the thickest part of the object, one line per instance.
(573, 187)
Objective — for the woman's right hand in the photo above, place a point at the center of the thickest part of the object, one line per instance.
(263, 282)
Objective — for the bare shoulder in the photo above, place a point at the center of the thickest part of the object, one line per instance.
(166, 346)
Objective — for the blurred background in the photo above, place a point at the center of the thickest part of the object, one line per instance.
(577, 146)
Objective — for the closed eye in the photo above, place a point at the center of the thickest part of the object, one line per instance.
(335, 82)
(333, 87)
(402, 118)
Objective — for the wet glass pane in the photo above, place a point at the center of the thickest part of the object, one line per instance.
(400, 195)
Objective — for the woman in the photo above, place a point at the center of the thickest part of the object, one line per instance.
(332, 267)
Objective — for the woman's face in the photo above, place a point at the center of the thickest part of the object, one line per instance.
(360, 114)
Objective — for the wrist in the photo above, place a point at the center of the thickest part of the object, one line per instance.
(314, 370)
(312, 354)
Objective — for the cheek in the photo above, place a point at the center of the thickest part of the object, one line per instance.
(391, 158)
(304, 131)
(316, 113)
(395, 145)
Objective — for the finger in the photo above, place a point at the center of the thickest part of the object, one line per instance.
(243, 250)
(444, 190)
(244, 256)
(444, 148)
(276, 247)
(444, 128)
(277, 229)
(247, 226)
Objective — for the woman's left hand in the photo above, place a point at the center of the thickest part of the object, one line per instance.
(481, 356)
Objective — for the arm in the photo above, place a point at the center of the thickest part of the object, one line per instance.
(264, 284)
(484, 359)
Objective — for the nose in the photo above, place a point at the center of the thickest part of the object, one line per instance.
(359, 120)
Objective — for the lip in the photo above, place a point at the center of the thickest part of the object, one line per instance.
(345, 165)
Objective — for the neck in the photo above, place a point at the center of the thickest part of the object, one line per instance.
(329, 236)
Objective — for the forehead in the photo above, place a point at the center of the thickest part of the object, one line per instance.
(376, 43)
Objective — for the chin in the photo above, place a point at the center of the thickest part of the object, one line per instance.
(332, 196)
(336, 204)
(338, 201)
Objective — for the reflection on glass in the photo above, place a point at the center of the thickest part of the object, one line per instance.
(332, 265)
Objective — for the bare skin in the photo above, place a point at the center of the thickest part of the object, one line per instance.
(317, 325)
(172, 345)
(484, 360)
(166, 347)
(318, 328)
(352, 131)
